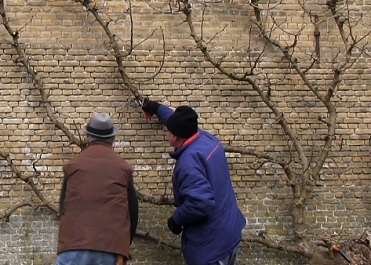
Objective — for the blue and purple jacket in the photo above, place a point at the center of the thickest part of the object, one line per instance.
(206, 204)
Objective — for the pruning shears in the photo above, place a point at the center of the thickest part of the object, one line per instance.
(342, 253)
(140, 103)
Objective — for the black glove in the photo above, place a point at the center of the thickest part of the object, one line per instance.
(150, 107)
(174, 227)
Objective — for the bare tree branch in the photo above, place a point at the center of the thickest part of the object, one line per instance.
(28, 179)
(163, 200)
(266, 241)
(38, 83)
(89, 7)
(279, 115)
(5, 217)
(156, 239)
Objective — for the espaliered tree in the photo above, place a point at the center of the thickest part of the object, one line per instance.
(301, 167)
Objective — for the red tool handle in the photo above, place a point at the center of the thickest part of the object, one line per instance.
(147, 115)
(342, 253)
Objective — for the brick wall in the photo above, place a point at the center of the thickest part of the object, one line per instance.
(72, 56)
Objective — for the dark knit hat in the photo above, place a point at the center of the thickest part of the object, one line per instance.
(183, 122)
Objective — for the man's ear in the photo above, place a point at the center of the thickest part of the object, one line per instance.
(177, 138)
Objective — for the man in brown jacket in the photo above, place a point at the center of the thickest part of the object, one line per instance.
(98, 204)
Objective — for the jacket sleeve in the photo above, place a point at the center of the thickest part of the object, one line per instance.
(133, 209)
(196, 195)
(163, 113)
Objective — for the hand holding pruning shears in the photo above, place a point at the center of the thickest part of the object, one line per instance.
(146, 113)
(148, 107)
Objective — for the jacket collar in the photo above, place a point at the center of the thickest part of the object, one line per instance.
(95, 143)
(176, 154)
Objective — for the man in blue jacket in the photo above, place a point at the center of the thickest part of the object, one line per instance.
(207, 212)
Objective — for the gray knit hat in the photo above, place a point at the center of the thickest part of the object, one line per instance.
(100, 125)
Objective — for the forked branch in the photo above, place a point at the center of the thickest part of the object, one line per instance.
(29, 180)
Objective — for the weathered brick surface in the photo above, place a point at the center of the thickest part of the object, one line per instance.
(72, 56)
